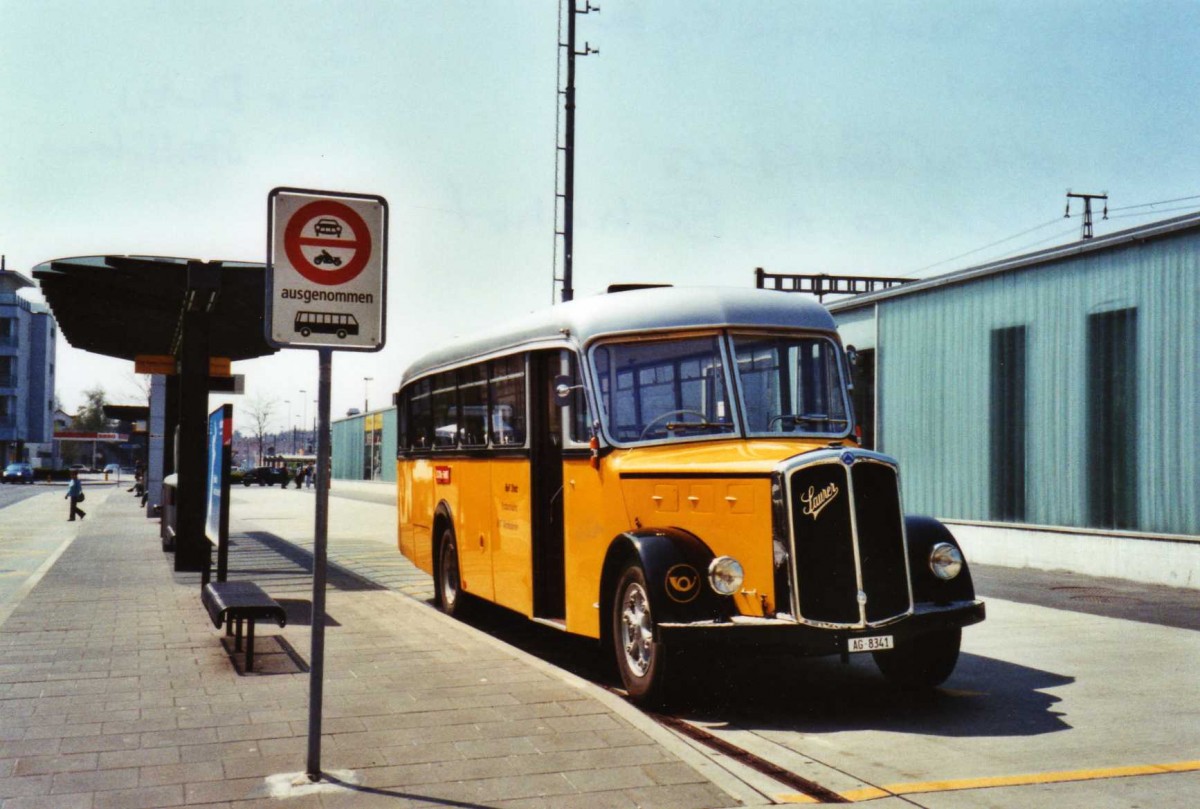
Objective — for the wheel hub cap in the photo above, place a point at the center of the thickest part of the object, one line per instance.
(637, 635)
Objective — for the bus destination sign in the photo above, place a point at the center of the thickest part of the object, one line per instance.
(326, 270)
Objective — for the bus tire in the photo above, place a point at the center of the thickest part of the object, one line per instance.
(450, 595)
(304, 332)
(641, 657)
(341, 333)
(923, 663)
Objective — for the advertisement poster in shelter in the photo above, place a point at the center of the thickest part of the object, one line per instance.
(220, 445)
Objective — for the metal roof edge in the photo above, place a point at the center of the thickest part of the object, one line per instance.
(1077, 248)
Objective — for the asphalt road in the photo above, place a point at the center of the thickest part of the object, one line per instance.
(15, 493)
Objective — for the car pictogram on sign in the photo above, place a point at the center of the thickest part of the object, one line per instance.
(326, 227)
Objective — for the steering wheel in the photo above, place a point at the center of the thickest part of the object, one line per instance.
(667, 415)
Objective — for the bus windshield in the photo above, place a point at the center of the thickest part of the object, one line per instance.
(680, 389)
(664, 389)
(791, 384)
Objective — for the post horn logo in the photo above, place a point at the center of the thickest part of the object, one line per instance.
(683, 583)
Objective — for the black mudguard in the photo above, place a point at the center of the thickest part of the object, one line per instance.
(676, 566)
(923, 533)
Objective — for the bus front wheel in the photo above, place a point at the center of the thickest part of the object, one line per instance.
(641, 657)
(306, 331)
(924, 663)
(449, 590)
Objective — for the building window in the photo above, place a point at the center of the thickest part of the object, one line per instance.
(1112, 475)
(1007, 424)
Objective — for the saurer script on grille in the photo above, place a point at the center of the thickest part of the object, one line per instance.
(815, 502)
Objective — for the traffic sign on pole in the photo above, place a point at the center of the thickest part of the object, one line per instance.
(326, 270)
(326, 288)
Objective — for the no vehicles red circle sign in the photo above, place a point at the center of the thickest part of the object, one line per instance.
(327, 242)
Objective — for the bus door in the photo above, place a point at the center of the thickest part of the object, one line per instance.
(546, 484)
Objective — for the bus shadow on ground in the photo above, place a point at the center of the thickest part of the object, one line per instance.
(774, 691)
(984, 697)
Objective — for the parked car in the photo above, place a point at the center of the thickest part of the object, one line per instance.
(112, 469)
(78, 467)
(266, 476)
(18, 473)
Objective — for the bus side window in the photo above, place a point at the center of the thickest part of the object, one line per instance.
(580, 419)
(506, 389)
(420, 417)
(472, 406)
(402, 402)
(445, 411)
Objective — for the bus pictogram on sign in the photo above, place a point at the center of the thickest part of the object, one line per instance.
(327, 242)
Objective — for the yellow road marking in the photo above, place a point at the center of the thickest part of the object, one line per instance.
(1063, 776)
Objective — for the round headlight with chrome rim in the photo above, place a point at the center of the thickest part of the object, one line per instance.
(945, 561)
(725, 575)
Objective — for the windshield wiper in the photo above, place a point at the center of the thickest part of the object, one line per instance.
(790, 420)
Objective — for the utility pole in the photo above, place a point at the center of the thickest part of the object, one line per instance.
(1087, 209)
(567, 195)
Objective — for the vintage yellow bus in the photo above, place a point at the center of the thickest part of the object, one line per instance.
(661, 468)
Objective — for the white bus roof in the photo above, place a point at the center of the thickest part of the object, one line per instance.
(638, 311)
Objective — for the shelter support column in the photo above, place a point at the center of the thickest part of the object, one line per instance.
(192, 551)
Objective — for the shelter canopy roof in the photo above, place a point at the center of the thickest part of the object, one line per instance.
(126, 306)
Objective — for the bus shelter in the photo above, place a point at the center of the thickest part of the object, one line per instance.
(185, 319)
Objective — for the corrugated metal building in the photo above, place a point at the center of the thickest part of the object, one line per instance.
(1060, 389)
(364, 446)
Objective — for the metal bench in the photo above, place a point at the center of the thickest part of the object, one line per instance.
(230, 601)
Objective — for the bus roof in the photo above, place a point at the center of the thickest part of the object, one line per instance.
(634, 311)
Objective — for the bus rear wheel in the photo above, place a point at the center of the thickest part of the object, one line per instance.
(641, 656)
(450, 596)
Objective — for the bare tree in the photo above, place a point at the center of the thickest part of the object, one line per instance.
(137, 386)
(259, 411)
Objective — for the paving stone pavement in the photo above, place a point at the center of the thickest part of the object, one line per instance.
(115, 691)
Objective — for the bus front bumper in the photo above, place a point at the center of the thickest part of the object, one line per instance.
(811, 640)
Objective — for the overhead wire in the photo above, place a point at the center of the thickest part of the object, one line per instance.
(1062, 234)
(985, 247)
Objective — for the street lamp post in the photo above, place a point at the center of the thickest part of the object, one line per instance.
(288, 402)
(366, 383)
(303, 413)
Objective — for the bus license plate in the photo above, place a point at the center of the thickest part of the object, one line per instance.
(871, 644)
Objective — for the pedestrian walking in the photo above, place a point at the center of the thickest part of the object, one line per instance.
(303, 473)
(310, 472)
(75, 495)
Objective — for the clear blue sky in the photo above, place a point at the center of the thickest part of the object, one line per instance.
(713, 137)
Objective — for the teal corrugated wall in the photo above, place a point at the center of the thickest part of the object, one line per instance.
(349, 447)
(933, 381)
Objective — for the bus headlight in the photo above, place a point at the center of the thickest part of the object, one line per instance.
(945, 561)
(725, 575)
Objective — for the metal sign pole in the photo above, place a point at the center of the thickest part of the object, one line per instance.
(320, 541)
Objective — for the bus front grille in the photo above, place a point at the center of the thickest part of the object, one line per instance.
(849, 562)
